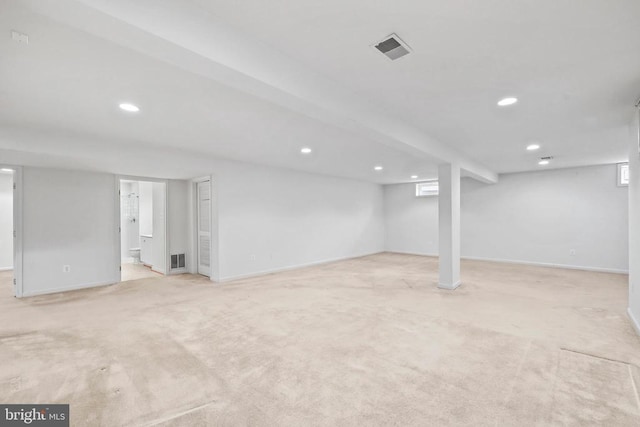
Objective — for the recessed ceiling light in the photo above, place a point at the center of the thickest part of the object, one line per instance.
(305, 150)
(129, 107)
(533, 147)
(378, 168)
(6, 170)
(414, 176)
(507, 101)
(543, 162)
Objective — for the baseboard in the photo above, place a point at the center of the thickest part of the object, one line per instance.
(414, 253)
(538, 264)
(6, 268)
(450, 287)
(66, 289)
(292, 267)
(551, 265)
(634, 321)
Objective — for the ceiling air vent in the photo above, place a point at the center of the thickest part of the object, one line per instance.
(393, 47)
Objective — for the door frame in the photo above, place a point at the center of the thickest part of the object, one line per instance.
(118, 231)
(214, 271)
(18, 197)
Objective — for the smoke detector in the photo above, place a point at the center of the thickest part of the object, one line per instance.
(393, 47)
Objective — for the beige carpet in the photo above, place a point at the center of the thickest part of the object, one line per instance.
(369, 341)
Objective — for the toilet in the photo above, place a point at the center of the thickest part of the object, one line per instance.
(135, 254)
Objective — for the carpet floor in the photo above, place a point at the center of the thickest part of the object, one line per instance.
(368, 341)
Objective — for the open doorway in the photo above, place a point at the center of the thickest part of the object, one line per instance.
(11, 231)
(203, 226)
(142, 229)
(6, 232)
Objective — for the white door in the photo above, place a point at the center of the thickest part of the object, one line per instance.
(204, 228)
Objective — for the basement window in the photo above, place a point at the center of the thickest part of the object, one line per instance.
(623, 174)
(426, 189)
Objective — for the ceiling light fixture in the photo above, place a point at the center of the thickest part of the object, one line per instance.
(129, 107)
(378, 168)
(533, 147)
(507, 101)
(414, 176)
(6, 170)
(305, 150)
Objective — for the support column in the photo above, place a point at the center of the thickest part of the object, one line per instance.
(449, 225)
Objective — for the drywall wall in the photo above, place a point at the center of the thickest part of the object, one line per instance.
(271, 219)
(6, 221)
(69, 219)
(634, 223)
(535, 217)
(411, 223)
(158, 255)
(178, 216)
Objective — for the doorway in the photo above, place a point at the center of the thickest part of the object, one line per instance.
(203, 221)
(10, 231)
(142, 229)
(6, 231)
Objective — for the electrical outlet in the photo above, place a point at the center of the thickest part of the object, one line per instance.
(572, 252)
(66, 268)
(253, 257)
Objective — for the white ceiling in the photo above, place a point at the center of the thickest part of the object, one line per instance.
(256, 81)
(573, 64)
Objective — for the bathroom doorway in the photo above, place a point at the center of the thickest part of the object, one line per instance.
(142, 228)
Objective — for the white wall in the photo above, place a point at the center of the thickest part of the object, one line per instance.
(6, 221)
(69, 219)
(158, 255)
(178, 217)
(634, 226)
(271, 219)
(536, 217)
(411, 223)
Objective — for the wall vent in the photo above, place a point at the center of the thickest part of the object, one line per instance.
(177, 261)
(393, 47)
